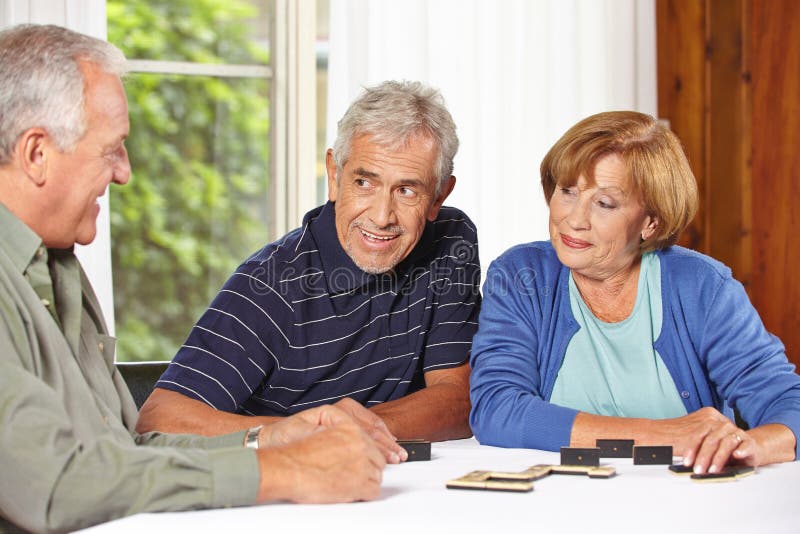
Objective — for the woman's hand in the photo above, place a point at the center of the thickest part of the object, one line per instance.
(708, 440)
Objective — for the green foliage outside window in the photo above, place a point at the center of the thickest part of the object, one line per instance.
(196, 204)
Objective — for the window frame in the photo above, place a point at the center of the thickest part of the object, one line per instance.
(292, 79)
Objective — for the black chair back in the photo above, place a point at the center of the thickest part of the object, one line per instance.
(141, 378)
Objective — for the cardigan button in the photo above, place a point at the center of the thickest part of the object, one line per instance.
(685, 394)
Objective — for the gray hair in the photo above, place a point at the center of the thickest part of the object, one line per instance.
(41, 84)
(391, 113)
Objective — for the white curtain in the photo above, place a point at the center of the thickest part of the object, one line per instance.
(515, 75)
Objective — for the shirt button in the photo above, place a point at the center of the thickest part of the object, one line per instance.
(685, 394)
(40, 252)
(46, 303)
(100, 346)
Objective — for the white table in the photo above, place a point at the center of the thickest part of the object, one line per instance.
(414, 499)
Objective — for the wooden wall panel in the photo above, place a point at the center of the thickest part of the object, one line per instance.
(727, 141)
(729, 83)
(775, 68)
(680, 43)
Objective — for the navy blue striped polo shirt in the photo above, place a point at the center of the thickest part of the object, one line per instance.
(299, 324)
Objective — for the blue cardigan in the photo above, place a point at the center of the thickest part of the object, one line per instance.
(712, 342)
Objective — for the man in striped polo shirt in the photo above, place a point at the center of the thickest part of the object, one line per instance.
(375, 298)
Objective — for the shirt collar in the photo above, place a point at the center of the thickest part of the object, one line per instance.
(17, 240)
(341, 273)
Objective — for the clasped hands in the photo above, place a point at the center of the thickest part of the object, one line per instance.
(331, 453)
(346, 412)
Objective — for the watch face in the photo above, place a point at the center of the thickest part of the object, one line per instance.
(251, 437)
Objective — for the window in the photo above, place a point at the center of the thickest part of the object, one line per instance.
(199, 199)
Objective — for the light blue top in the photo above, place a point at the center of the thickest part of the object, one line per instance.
(613, 368)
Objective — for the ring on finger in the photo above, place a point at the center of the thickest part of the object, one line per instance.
(737, 437)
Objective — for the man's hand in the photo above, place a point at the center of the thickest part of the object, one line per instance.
(375, 428)
(335, 464)
(346, 411)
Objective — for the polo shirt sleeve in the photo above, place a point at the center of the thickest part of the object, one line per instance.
(456, 298)
(191, 441)
(232, 348)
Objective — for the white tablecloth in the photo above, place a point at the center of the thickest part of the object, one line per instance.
(414, 499)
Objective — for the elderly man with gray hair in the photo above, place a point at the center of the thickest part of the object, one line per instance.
(69, 455)
(374, 299)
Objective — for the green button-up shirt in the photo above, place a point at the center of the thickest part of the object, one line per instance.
(69, 456)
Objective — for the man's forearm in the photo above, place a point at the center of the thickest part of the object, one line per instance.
(168, 411)
(436, 413)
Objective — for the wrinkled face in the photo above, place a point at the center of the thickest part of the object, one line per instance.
(596, 229)
(383, 198)
(78, 177)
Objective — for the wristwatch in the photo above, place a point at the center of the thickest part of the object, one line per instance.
(251, 437)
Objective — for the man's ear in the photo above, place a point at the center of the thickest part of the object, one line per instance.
(330, 167)
(31, 153)
(447, 188)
